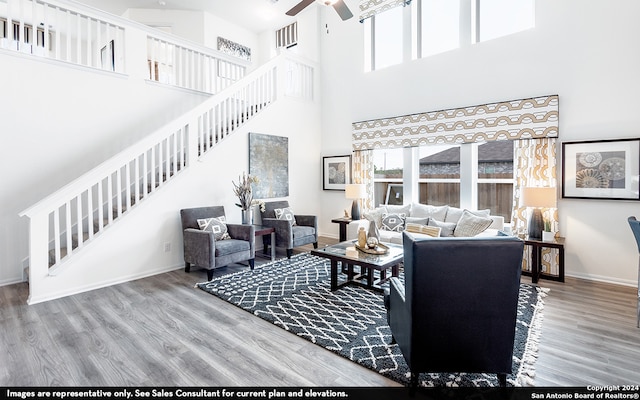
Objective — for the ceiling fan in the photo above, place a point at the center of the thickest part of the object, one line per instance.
(341, 8)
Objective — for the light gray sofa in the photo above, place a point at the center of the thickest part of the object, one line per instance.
(452, 221)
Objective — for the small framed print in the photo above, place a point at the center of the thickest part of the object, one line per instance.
(336, 172)
(603, 169)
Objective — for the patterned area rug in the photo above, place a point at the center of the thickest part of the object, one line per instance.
(295, 295)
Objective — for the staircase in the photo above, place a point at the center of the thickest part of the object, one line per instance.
(67, 221)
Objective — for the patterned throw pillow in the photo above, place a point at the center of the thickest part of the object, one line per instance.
(393, 222)
(471, 224)
(286, 214)
(423, 229)
(216, 225)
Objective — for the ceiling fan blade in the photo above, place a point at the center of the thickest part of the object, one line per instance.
(299, 7)
(342, 10)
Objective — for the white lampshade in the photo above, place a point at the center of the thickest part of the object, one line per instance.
(539, 197)
(355, 191)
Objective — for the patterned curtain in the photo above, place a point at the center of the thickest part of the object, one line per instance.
(535, 165)
(369, 8)
(362, 167)
(507, 120)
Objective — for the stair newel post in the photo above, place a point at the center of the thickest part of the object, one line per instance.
(38, 251)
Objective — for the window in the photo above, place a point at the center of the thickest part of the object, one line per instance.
(439, 26)
(440, 176)
(496, 18)
(495, 178)
(388, 170)
(439, 169)
(384, 41)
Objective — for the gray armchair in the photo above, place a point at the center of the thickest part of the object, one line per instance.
(305, 230)
(456, 311)
(201, 249)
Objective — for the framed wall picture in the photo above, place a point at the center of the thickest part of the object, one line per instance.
(336, 172)
(269, 162)
(602, 169)
(395, 195)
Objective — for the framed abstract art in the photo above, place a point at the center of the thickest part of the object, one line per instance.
(336, 172)
(602, 169)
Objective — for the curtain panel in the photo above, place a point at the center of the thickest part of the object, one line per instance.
(508, 120)
(362, 167)
(535, 165)
(369, 8)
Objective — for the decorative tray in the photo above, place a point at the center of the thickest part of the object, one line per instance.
(379, 249)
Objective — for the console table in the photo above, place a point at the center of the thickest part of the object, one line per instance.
(343, 226)
(536, 259)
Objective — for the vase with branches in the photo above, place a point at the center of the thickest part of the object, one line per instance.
(244, 192)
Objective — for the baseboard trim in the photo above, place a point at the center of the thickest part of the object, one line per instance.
(40, 299)
(603, 279)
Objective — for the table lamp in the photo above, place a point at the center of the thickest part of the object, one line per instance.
(355, 191)
(537, 198)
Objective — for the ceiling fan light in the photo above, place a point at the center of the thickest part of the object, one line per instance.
(327, 2)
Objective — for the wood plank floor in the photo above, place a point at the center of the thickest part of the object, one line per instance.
(162, 331)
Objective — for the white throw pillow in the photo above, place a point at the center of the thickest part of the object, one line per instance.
(447, 228)
(471, 224)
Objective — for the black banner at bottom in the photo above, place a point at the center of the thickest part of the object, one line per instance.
(629, 392)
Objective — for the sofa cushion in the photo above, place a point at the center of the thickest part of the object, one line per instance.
(393, 222)
(426, 211)
(416, 220)
(300, 231)
(395, 209)
(447, 228)
(454, 214)
(375, 215)
(285, 214)
(231, 246)
(471, 224)
(216, 225)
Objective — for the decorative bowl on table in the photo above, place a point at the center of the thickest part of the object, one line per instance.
(378, 248)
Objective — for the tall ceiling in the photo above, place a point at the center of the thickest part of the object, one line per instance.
(255, 15)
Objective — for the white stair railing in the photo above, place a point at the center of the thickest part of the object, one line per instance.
(63, 33)
(80, 35)
(64, 222)
(188, 67)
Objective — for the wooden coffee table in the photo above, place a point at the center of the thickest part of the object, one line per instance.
(367, 263)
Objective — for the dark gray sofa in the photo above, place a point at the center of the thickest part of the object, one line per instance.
(456, 311)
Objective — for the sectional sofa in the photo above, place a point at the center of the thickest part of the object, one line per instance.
(422, 219)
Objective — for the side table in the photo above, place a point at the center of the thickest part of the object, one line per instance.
(343, 226)
(536, 259)
(266, 230)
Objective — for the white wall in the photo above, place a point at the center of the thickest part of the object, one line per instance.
(134, 246)
(57, 123)
(60, 121)
(200, 27)
(581, 51)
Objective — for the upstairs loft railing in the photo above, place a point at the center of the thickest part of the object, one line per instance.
(66, 221)
(80, 35)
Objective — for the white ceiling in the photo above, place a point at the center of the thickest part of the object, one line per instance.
(255, 15)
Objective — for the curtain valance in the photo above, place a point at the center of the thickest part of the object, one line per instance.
(369, 8)
(509, 120)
